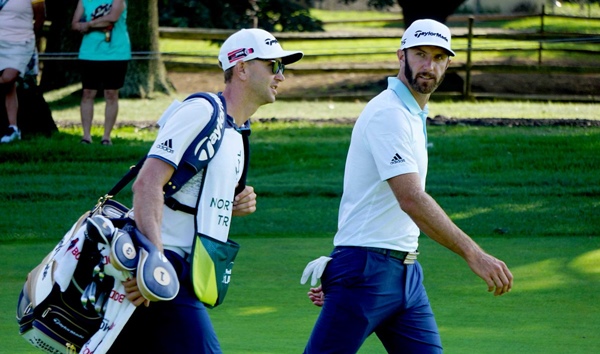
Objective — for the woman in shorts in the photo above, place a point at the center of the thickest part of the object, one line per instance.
(104, 54)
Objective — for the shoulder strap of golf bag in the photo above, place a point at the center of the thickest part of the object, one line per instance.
(245, 131)
(190, 167)
(203, 148)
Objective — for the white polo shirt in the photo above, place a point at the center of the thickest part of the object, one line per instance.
(388, 139)
(217, 187)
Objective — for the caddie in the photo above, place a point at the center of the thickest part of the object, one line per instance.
(372, 282)
(200, 210)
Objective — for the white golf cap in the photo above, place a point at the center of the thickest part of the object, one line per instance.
(427, 32)
(254, 43)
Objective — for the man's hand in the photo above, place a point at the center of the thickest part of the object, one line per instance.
(133, 293)
(435, 223)
(493, 271)
(245, 202)
(317, 296)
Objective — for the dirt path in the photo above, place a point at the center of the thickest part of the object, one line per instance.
(368, 85)
(339, 84)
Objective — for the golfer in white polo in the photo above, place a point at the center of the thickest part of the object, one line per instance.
(372, 282)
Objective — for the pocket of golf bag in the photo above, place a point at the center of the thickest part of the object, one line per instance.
(211, 266)
(58, 324)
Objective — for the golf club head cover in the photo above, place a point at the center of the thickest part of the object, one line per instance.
(156, 277)
(123, 254)
(99, 229)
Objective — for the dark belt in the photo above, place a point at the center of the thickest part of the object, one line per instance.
(405, 257)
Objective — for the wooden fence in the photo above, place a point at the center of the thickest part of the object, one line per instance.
(473, 31)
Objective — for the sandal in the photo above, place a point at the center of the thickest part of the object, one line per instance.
(85, 141)
(106, 142)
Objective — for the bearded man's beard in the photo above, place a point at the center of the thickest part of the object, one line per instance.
(425, 87)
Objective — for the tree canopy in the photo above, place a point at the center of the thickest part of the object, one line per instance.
(271, 15)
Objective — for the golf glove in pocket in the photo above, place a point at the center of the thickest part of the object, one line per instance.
(314, 268)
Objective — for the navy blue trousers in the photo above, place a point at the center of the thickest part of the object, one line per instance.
(367, 292)
(181, 325)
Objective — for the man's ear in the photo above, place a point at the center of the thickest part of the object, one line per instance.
(400, 54)
(241, 69)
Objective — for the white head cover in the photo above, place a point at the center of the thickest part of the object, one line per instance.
(427, 32)
(254, 43)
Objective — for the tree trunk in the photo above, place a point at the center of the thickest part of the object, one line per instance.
(438, 10)
(146, 72)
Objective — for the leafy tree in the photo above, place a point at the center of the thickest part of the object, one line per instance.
(279, 15)
(438, 10)
(285, 15)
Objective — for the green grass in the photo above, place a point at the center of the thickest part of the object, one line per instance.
(485, 109)
(382, 50)
(551, 24)
(573, 9)
(379, 17)
(550, 310)
(65, 108)
(340, 16)
(377, 52)
(556, 24)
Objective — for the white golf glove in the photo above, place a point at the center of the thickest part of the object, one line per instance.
(315, 268)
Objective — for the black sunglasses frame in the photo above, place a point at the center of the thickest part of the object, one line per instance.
(277, 66)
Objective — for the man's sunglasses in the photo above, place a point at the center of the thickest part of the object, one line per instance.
(276, 66)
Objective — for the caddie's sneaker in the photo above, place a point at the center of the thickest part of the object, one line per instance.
(12, 133)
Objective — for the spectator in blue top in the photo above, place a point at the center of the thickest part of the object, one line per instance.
(104, 54)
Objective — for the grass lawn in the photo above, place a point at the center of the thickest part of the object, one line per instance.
(64, 104)
(550, 310)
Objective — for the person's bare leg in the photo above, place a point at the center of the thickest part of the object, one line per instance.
(12, 104)
(9, 77)
(87, 113)
(110, 112)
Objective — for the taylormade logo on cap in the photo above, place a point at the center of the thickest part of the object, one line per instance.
(254, 43)
(420, 34)
(427, 32)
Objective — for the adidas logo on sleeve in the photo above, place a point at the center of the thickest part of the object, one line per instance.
(167, 145)
(397, 159)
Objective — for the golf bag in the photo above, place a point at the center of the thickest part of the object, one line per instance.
(74, 301)
(74, 298)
